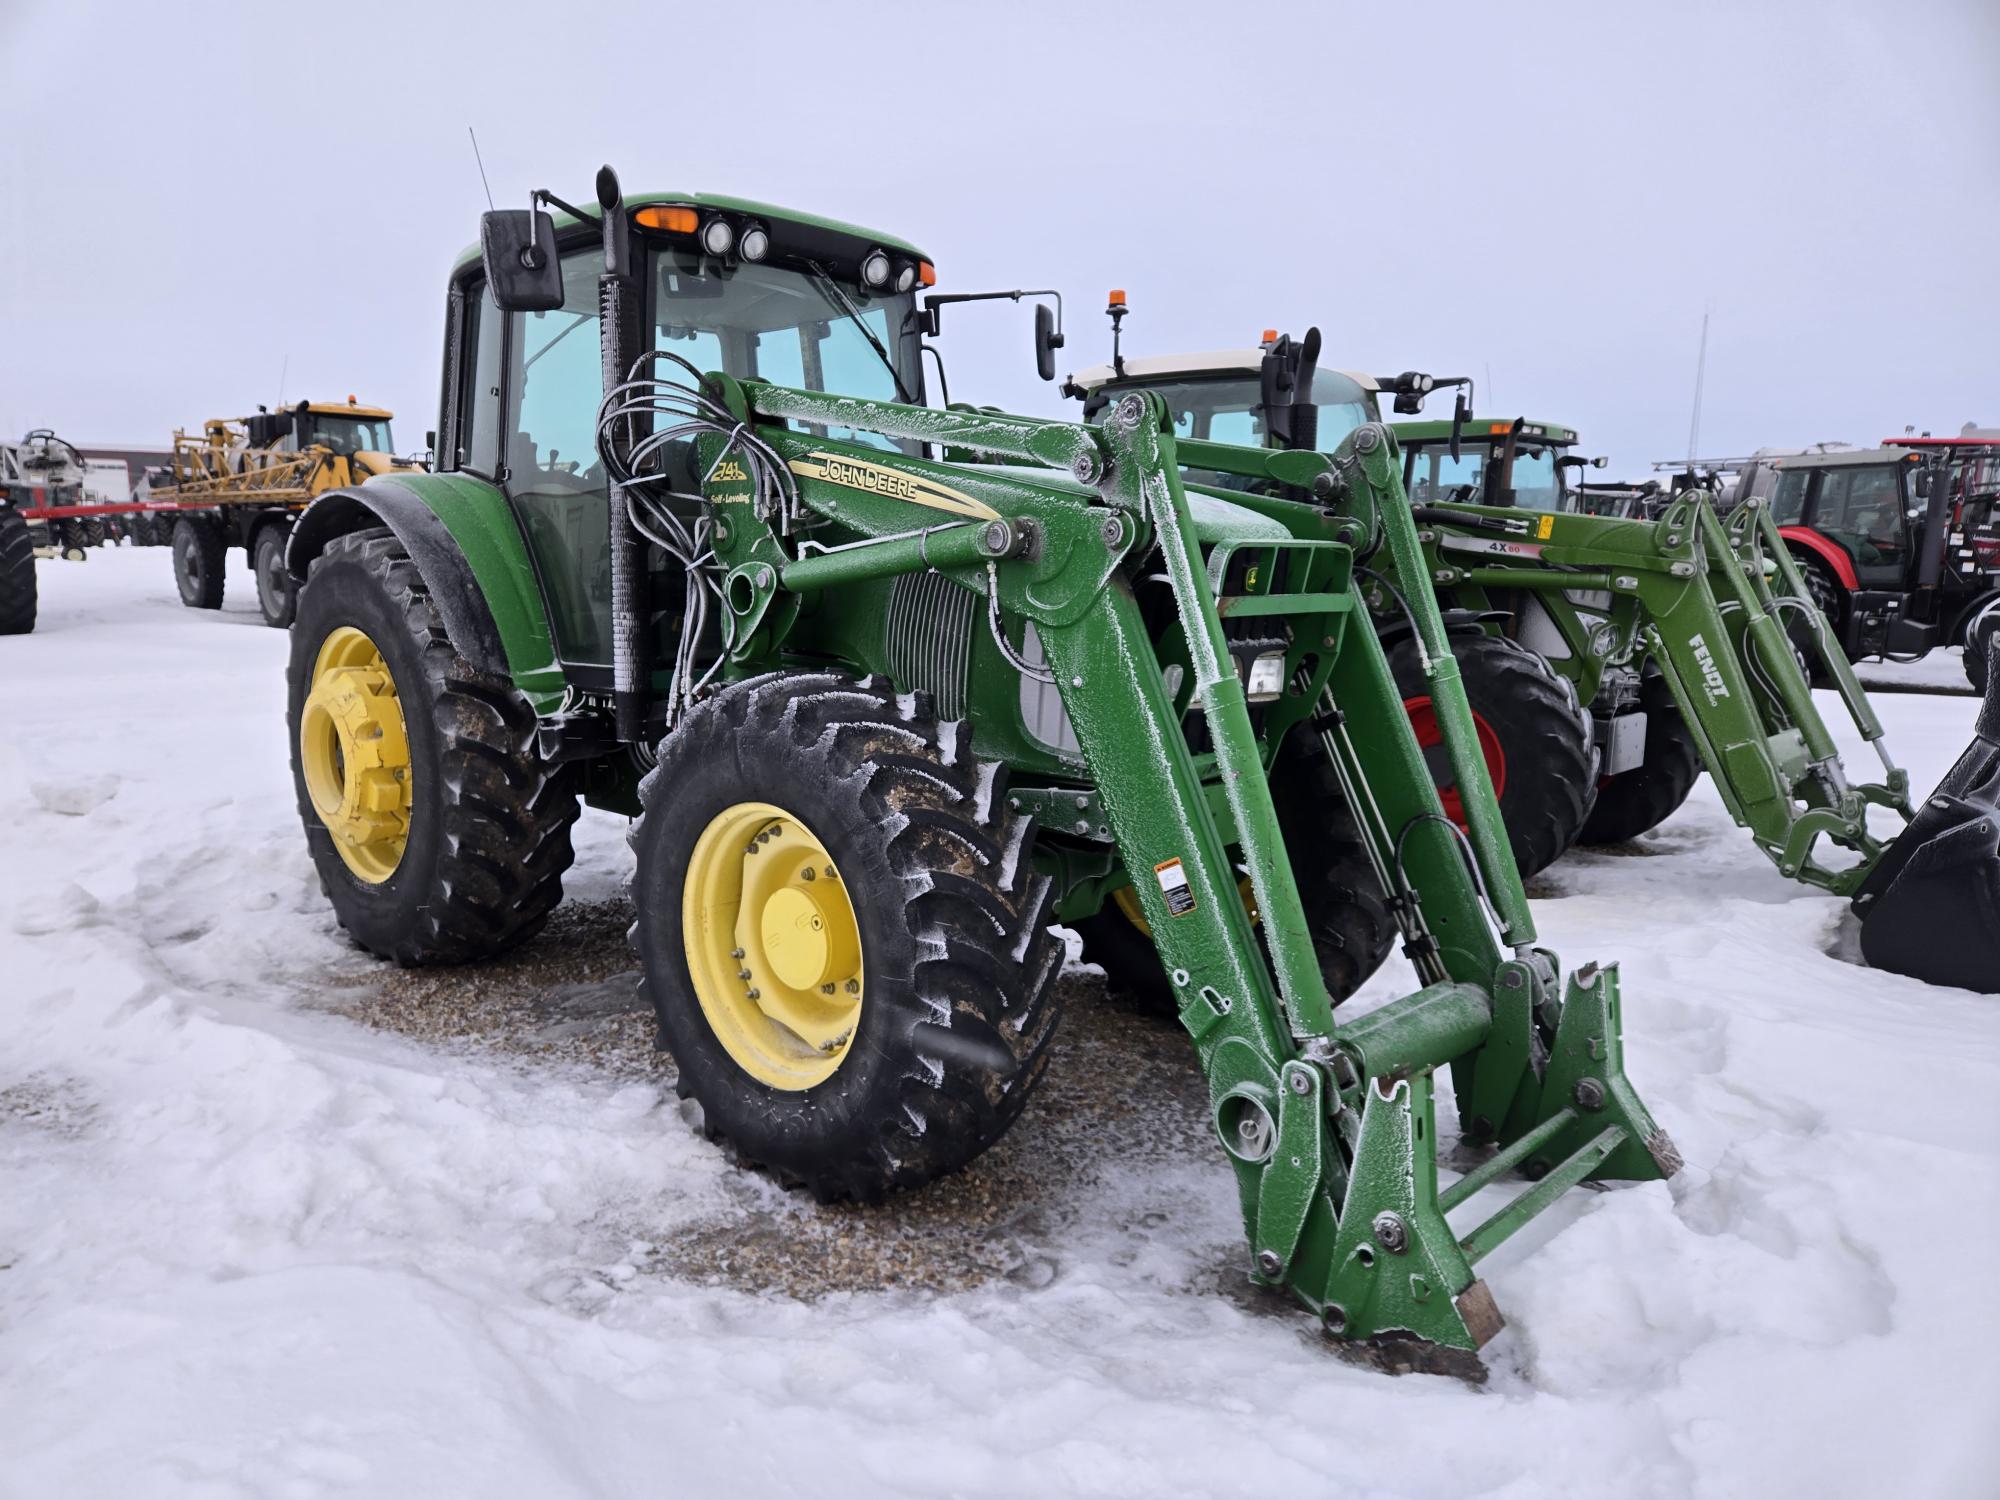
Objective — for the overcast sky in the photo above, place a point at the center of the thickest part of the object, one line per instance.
(202, 197)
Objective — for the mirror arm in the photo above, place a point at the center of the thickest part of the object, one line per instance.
(543, 195)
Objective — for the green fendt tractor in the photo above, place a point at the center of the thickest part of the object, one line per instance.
(884, 718)
(1693, 639)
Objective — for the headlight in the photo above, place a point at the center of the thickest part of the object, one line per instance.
(717, 237)
(1265, 681)
(906, 278)
(756, 242)
(875, 269)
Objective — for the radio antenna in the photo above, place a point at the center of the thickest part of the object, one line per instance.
(482, 166)
(1700, 370)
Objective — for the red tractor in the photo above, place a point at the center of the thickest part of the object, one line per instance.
(1899, 544)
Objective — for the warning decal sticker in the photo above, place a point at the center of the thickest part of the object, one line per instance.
(1174, 886)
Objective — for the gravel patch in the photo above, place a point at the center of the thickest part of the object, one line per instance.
(1122, 1100)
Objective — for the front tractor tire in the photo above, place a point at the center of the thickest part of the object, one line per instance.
(277, 595)
(1641, 799)
(17, 573)
(438, 833)
(201, 554)
(842, 933)
(1539, 745)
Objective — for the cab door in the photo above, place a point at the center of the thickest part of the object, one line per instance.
(1863, 509)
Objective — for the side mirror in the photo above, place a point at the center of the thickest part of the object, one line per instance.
(1461, 413)
(1923, 483)
(1047, 341)
(518, 246)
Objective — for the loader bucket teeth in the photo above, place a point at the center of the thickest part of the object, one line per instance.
(1931, 907)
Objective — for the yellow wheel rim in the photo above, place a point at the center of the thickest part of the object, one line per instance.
(356, 755)
(772, 945)
(1127, 901)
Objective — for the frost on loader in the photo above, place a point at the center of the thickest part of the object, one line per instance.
(890, 690)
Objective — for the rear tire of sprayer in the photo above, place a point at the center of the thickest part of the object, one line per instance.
(842, 933)
(200, 561)
(1644, 797)
(438, 833)
(1539, 744)
(17, 573)
(1351, 928)
(277, 595)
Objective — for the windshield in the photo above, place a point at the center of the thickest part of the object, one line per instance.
(790, 328)
(1540, 482)
(1220, 409)
(346, 435)
(1538, 479)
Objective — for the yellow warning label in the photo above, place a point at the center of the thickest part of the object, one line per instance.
(1544, 528)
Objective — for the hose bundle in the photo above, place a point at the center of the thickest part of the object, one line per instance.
(637, 424)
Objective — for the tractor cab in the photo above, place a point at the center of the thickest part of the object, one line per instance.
(345, 430)
(1483, 461)
(1255, 398)
(694, 283)
(1896, 542)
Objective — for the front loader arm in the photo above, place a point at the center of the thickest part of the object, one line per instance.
(1328, 1125)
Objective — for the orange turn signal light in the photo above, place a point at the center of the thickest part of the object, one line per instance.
(1492, 427)
(1270, 335)
(1117, 299)
(926, 273)
(670, 217)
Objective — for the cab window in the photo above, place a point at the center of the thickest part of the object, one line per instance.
(1788, 502)
(551, 468)
(790, 328)
(1436, 476)
(1862, 509)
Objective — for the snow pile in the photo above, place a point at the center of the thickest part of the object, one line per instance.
(248, 1247)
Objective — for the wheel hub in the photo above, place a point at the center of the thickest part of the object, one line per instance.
(773, 945)
(356, 755)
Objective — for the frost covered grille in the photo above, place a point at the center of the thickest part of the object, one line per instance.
(1042, 710)
(930, 639)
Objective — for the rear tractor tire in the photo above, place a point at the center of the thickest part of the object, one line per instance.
(200, 561)
(438, 833)
(1539, 745)
(277, 595)
(1351, 928)
(17, 573)
(1644, 797)
(842, 933)
(1830, 599)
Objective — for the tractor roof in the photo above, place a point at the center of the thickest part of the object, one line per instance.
(1477, 428)
(348, 408)
(1963, 440)
(469, 257)
(1236, 362)
(1849, 459)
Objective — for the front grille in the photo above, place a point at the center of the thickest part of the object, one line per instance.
(930, 639)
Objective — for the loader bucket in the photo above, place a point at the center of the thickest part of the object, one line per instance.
(1931, 906)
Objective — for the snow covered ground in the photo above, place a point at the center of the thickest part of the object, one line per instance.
(251, 1246)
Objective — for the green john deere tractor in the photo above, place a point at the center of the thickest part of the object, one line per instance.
(1693, 639)
(883, 718)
